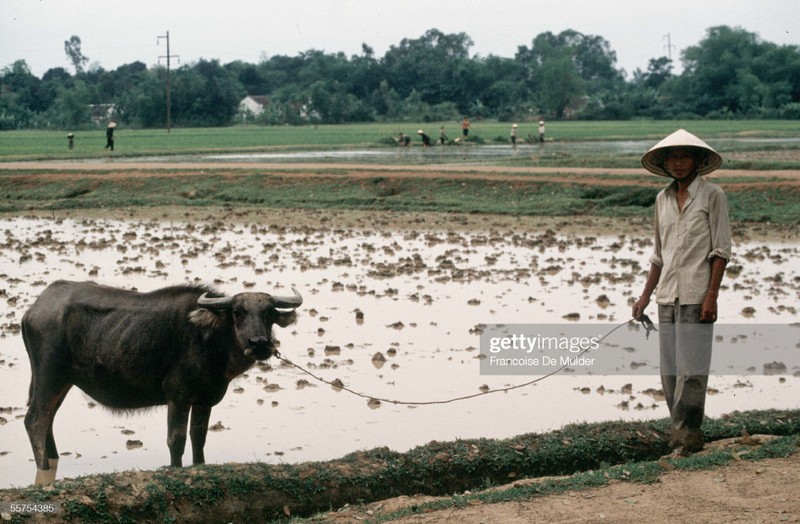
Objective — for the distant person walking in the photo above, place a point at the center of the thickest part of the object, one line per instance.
(465, 128)
(541, 131)
(110, 135)
(514, 135)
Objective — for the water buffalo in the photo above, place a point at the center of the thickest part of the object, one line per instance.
(180, 346)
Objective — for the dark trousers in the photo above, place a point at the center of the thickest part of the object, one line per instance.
(685, 357)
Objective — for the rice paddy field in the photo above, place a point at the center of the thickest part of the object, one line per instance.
(132, 142)
(402, 254)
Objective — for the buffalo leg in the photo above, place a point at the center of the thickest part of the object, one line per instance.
(39, 424)
(50, 443)
(198, 431)
(177, 420)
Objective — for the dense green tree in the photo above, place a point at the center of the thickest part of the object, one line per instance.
(658, 71)
(386, 101)
(561, 69)
(18, 79)
(70, 109)
(13, 114)
(331, 103)
(146, 104)
(204, 94)
(364, 75)
(731, 73)
(560, 85)
(430, 65)
(72, 48)
(52, 82)
(249, 76)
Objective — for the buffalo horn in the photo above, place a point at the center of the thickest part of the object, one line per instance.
(288, 302)
(214, 303)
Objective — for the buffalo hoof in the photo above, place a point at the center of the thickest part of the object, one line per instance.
(45, 476)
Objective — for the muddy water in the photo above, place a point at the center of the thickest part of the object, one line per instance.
(424, 290)
(470, 152)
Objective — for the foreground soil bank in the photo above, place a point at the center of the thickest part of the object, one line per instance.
(598, 453)
(759, 196)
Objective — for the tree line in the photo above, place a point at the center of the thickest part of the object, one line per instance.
(731, 73)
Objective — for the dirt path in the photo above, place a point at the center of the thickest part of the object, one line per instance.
(743, 491)
(593, 176)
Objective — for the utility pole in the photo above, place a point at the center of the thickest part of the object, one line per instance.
(169, 100)
(669, 46)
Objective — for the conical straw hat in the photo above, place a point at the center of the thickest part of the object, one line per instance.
(653, 160)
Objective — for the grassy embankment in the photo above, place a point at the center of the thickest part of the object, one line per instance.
(535, 196)
(759, 197)
(590, 454)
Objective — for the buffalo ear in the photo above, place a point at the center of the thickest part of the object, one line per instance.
(205, 318)
(286, 318)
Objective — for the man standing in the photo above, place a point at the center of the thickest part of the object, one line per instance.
(692, 248)
(110, 135)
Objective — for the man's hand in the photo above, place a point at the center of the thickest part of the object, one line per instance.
(708, 313)
(639, 306)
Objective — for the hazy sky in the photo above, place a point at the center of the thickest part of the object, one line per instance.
(115, 32)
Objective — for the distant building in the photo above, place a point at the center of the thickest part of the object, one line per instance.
(575, 106)
(253, 105)
(102, 113)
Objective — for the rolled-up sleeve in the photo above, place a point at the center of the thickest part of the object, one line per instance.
(656, 258)
(720, 225)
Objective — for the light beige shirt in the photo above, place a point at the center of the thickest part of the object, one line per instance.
(686, 241)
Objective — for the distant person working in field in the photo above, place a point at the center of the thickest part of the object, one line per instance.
(403, 140)
(541, 131)
(442, 137)
(514, 128)
(110, 135)
(692, 248)
(465, 128)
(426, 140)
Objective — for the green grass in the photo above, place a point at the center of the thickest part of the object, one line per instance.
(132, 142)
(535, 196)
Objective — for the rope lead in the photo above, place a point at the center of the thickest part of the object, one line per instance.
(645, 322)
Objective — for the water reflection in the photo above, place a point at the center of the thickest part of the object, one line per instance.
(448, 154)
(390, 285)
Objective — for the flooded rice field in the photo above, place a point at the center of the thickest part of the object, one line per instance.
(465, 152)
(471, 152)
(394, 305)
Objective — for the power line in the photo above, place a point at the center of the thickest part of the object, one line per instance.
(669, 46)
(169, 99)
